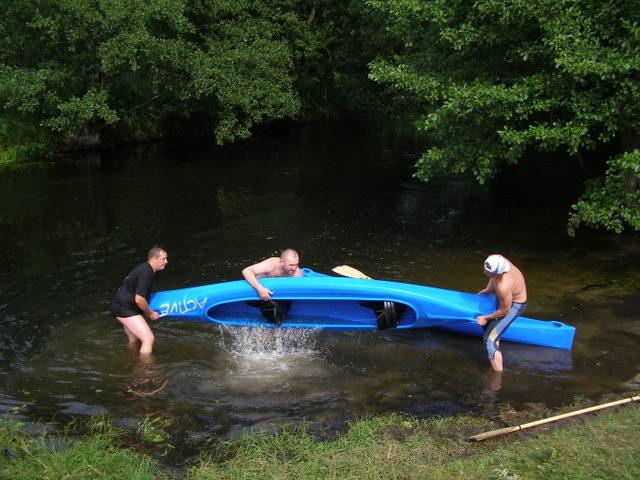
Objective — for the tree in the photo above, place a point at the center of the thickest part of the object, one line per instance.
(74, 67)
(492, 79)
(82, 69)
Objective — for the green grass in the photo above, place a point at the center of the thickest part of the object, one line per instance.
(152, 429)
(97, 455)
(394, 447)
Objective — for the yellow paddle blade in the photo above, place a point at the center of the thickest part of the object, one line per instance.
(347, 271)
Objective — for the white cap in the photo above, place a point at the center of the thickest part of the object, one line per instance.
(496, 264)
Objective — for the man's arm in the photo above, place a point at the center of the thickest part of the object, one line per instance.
(252, 272)
(505, 297)
(143, 305)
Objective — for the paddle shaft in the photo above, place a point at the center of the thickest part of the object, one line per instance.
(503, 431)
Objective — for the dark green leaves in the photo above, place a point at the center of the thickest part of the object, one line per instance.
(492, 79)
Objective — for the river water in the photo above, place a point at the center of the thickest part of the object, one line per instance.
(339, 194)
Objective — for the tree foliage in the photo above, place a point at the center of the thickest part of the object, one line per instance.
(81, 70)
(78, 66)
(488, 80)
(493, 79)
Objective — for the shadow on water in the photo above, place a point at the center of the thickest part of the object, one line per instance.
(339, 194)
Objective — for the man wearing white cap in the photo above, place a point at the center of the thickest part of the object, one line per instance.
(507, 282)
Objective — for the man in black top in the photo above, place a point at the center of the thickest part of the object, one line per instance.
(130, 302)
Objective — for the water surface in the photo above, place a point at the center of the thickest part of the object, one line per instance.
(339, 194)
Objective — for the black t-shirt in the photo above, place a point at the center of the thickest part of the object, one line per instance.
(138, 282)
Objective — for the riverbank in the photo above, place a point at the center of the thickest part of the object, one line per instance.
(592, 446)
(15, 157)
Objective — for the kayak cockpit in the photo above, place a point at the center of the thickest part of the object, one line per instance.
(316, 313)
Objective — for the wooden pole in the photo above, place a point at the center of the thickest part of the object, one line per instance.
(503, 431)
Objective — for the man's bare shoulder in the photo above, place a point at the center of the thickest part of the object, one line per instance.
(506, 283)
(265, 268)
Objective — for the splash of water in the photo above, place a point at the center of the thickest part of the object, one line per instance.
(259, 355)
(270, 341)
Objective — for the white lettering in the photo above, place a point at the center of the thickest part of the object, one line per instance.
(183, 306)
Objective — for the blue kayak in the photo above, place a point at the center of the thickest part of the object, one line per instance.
(320, 301)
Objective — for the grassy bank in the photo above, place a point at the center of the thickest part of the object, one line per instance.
(598, 446)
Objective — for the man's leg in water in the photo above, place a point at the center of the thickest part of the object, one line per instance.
(133, 341)
(496, 363)
(138, 328)
(495, 328)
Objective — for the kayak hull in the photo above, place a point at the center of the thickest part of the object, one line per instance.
(320, 301)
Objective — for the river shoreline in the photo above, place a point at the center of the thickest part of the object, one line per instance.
(395, 446)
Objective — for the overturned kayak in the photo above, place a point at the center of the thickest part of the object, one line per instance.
(335, 303)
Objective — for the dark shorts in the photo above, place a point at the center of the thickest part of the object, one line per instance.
(124, 311)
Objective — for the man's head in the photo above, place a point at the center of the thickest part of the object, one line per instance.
(289, 261)
(157, 258)
(496, 265)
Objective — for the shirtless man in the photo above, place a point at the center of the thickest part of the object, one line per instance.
(507, 282)
(130, 302)
(287, 265)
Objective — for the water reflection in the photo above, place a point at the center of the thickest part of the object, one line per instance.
(492, 384)
(145, 379)
(550, 362)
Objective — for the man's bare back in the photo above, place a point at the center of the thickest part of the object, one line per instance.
(510, 283)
